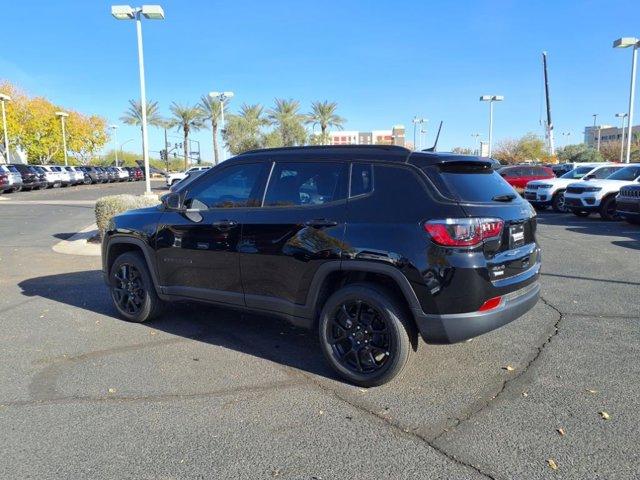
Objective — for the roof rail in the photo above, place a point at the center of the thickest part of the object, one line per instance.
(392, 148)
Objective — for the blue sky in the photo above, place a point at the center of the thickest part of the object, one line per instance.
(383, 62)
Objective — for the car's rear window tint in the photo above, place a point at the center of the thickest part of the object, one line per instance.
(468, 181)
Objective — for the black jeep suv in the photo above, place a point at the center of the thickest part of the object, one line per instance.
(372, 245)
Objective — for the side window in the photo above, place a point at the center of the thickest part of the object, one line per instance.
(233, 187)
(361, 179)
(603, 172)
(306, 183)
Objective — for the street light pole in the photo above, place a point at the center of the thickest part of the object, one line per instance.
(622, 116)
(115, 141)
(62, 116)
(491, 99)
(475, 143)
(416, 120)
(152, 12)
(5, 98)
(222, 97)
(626, 42)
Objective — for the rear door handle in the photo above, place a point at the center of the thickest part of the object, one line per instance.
(225, 224)
(320, 222)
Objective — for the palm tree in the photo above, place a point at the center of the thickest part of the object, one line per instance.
(324, 114)
(133, 116)
(212, 112)
(188, 119)
(288, 122)
(242, 131)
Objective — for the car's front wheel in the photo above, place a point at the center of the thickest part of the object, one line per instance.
(558, 204)
(132, 290)
(366, 335)
(608, 209)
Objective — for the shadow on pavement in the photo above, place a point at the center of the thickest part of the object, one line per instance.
(266, 337)
(593, 225)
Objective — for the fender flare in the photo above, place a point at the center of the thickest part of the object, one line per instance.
(361, 266)
(121, 239)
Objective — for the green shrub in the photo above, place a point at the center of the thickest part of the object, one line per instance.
(107, 207)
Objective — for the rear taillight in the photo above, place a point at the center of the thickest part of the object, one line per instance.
(463, 232)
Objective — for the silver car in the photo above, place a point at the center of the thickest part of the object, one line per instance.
(13, 176)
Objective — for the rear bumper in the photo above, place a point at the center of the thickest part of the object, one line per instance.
(452, 328)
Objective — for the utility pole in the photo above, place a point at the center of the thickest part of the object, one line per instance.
(552, 148)
(595, 117)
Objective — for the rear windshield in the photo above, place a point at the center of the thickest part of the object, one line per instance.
(627, 173)
(468, 181)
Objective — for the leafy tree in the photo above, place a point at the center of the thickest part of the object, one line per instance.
(188, 119)
(212, 113)
(581, 153)
(462, 150)
(33, 127)
(243, 131)
(324, 114)
(530, 147)
(288, 122)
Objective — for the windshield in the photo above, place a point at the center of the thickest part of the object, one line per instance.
(627, 173)
(577, 172)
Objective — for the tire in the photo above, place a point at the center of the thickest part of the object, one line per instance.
(364, 304)
(608, 209)
(557, 202)
(129, 278)
(580, 213)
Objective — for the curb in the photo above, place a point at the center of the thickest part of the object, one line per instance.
(77, 244)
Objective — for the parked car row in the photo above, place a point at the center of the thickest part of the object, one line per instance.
(609, 189)
(16, 177)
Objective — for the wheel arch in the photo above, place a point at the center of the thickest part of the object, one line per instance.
(118, 245)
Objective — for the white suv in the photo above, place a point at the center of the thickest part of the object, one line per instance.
(550, 192)
(174, 178)
(583, 198)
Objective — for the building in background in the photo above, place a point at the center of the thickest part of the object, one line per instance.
(395, 136)
(607, 133)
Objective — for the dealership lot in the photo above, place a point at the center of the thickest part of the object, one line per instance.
(210, 393)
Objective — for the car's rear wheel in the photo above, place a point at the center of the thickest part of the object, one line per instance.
(558, 204)
(608, 209)
(365, 334)
(132, 290)
(580, 213)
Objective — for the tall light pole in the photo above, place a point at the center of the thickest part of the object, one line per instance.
(476, 136)
(151, 12)
(491, 99)
(622, 116)
(115, 140)
(62, 116)
(627, 42)
(417, 120)
(595, 118)
(567, 135)
(5, 98)
(222, 97)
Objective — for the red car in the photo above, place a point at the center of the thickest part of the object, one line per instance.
(518, 176)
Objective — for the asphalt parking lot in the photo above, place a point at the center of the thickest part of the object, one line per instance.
(210, 393)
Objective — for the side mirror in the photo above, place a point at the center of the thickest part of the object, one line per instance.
(172, 201)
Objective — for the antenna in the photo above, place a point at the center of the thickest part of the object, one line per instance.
(435, 144)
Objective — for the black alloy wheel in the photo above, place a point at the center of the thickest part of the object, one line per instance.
(366, 334)
(128, 292)
(359, 337)
(558, 204)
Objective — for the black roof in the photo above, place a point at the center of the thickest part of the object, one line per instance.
(362, 152)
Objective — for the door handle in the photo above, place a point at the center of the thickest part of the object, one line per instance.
(320, 222)
(225, 224)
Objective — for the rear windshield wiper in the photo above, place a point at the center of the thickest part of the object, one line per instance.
(504, 198)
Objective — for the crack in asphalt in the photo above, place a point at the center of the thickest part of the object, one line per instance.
(152, 398)
(483, 404)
